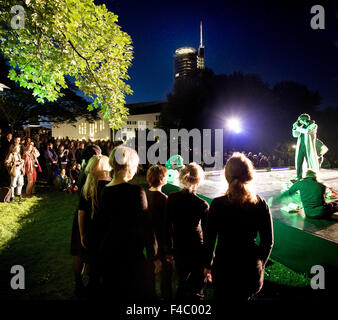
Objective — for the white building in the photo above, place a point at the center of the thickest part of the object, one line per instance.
(141, 115)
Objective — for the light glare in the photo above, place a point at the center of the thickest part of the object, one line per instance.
(234, 125)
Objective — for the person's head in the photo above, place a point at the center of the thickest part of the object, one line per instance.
(78, 166)
(89, 151)
(17, 140)
(82, 145)
(71, 145)
(9, 136)
(29, 140)
(191, 176)
(50, 146)
(36, 137)
(63, 172)
(57, 143)
(239, 172)
(304, 118)
(157, 176)
(97, 168)
(311, 174)
(61, 148)
(124, 162)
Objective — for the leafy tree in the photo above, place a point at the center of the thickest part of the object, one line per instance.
(18, 107)
(69, 37)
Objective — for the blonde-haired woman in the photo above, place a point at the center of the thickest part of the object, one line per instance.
(86, 230)
(236, 218)
(187, 215)
(126, 233)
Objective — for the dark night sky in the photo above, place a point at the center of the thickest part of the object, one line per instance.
(271, 38)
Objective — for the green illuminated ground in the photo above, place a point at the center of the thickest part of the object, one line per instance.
(36, 234)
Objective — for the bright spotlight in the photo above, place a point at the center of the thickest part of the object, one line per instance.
(234, 125)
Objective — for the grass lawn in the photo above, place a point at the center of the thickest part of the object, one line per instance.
(35, 233)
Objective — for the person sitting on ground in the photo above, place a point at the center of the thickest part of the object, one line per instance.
(312, 194)
(236, 268)
(16, 167)
(187, 216)
(157, 202)
(64, 180)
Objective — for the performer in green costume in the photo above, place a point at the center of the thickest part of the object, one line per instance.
(305, 130)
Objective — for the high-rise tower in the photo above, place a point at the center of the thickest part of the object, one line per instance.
(200, 56)
(187, 60)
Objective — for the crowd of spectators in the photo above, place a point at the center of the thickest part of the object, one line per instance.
(261, 160)
(59, 161)
(23, 160)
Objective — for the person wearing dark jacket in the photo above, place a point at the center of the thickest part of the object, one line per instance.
(126, 234)
(75, 250)
(157, 203)
(187, 216)
(236, 268)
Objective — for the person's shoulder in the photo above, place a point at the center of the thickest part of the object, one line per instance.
(262, 204)
(201, 201)
(260, 199)
(131, 188)
(219, 200)
(174, 195)
(158, 194)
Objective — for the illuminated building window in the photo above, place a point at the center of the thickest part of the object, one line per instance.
(83, 128)
(91, 129)
(101, 124)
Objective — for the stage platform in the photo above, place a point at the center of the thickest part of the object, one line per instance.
(300, 243)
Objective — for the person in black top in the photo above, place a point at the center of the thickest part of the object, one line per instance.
(79, 255)
(157, 202)
(236, 218)
(126, 233)
(187, 216)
